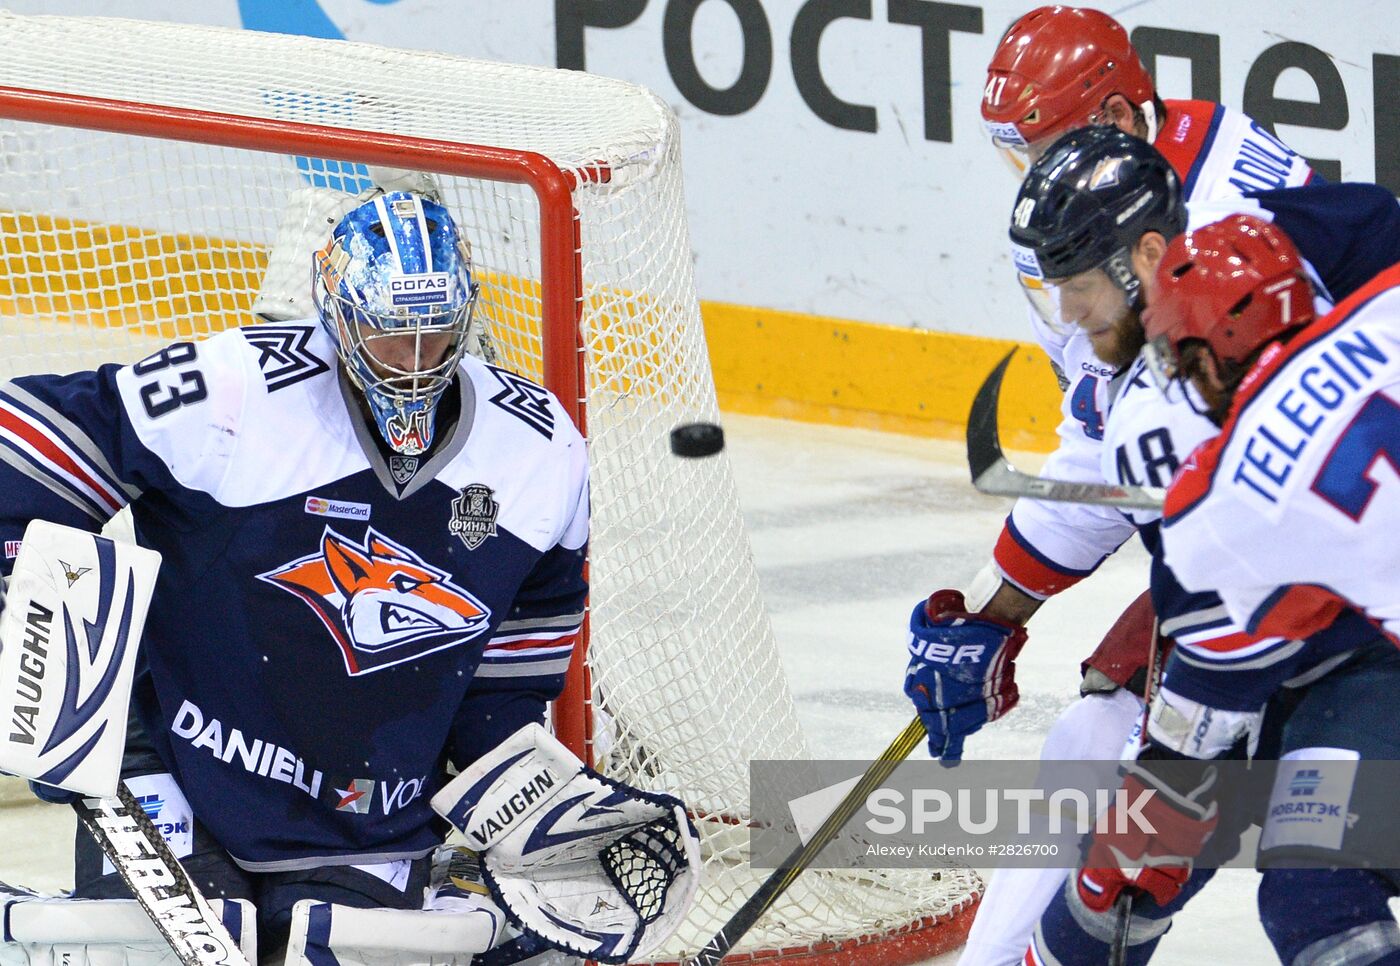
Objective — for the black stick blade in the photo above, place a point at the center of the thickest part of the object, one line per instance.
(992, 474)
(983, 442)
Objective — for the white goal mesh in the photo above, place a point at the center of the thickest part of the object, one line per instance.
(145, 172)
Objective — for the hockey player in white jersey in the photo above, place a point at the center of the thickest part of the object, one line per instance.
(1091, 224)
(1058, 68)
(374, 554)
(1290, 514)
(1289, 526)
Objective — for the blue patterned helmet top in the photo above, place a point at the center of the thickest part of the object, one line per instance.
(394, 289)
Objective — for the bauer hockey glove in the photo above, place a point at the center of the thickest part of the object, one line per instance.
(1158, 824)
(962, 670)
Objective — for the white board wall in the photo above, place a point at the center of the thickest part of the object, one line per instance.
(835, 163)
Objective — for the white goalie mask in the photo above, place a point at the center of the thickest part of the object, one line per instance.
(394, 289)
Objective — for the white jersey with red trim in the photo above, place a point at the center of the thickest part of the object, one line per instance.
(1297, 504)
(1045, 547)
(1353, 233)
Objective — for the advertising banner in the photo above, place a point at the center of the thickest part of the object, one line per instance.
(835, 160)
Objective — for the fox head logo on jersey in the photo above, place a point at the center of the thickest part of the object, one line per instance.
(381, 602)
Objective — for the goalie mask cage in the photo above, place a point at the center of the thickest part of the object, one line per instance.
(145, 172)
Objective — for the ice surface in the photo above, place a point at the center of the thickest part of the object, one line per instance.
(850, 528)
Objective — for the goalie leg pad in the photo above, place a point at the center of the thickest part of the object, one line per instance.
(459, 921)
(387, 886)
(325, 934)
(42, 930)
(584, 863)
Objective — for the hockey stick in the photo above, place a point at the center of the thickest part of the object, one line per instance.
(1123, 910)
(153, 874)
(991, 473)
(784, 875)
(1123, 905)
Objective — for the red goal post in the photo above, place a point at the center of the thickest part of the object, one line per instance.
(148, 177)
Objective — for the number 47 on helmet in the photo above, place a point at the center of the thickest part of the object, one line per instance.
(1059, 68)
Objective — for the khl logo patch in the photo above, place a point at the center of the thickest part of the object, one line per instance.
(403, 468)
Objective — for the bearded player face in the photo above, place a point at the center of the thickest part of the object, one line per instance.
(1099, 307)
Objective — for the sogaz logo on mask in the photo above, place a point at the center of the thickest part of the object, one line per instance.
(429, 288)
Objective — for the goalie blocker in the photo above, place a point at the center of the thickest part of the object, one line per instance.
(577, 861)
(75, 607)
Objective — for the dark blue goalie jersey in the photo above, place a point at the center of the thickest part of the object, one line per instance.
(332, 623)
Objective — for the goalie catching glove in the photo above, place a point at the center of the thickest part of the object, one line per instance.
(581, 862)
(962, 670)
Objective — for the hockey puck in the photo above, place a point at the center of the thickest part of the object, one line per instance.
(694, 440)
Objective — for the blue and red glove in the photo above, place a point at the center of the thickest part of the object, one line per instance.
(1157, 862)
(962, 670)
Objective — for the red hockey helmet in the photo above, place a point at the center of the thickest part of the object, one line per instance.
(1052, 72)
(1234, 284)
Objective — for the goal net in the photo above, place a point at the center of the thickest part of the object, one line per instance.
(154, 179)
